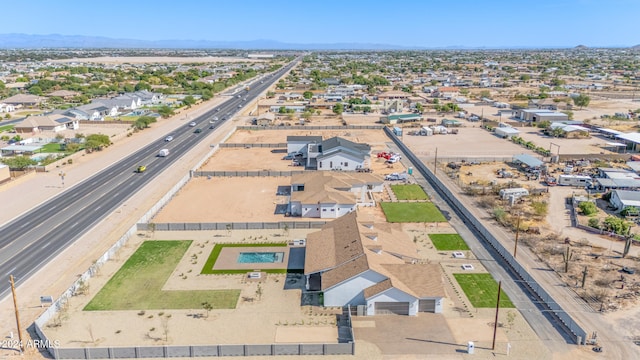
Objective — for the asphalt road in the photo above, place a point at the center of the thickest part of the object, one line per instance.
(31, 240)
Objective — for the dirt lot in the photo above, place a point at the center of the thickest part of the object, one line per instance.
(470, 142)
(371, 137)
(592, 145)
(249, 159)
(229, 199)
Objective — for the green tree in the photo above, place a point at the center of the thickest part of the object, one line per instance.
(338, 109)
(189, 100)
(206, 94)
(165, 111)
(307, 95)
(594, 223)
(582, 100)
(97, 142)
(143, 122)
(419, 107)
(616, 225)
(19, 162)
(35, 90)
(142, 86)
(207, 307)
(282, 110)
(525, 77)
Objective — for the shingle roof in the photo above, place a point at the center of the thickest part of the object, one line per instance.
(330, 187)
(51, 120)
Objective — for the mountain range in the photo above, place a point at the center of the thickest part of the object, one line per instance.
(29, 41)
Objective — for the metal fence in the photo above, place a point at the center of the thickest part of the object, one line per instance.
(273, 173)
(203, 350)
(230, 226)
(573, 329)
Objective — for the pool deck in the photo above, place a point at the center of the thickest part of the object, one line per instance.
(227, 260)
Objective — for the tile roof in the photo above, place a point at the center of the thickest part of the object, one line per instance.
(330, 187)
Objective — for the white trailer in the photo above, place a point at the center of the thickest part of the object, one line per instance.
(513, 192)
(163, 153)
(426, 131)
(574, 180)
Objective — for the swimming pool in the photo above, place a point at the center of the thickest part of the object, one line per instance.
(260, 257)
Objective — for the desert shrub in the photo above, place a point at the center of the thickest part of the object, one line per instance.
(588, 208)
(594, 223)
(540, 208)
(500, 215)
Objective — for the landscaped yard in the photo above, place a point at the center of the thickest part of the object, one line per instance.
(51, 148)
(208, 266)
(138, 283)
(448, 242)
(412, 212)
(6, 128)
(409, 192)
(482, 290)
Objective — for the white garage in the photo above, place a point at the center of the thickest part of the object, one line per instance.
(391, 308)
(427, 305)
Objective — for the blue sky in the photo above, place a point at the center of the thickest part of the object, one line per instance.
(424, 23)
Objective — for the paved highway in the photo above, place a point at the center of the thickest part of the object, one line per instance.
(34, 238)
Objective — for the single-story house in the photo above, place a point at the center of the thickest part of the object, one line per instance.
(24, 100)
(52, 122)
(64, 94)
(623, 199)
(295, 108)
(332, 154)
(631, 139)
(447, 92)
(330, 195)
(265, 119)
(337, 153)
(371, 265)
(7, 108)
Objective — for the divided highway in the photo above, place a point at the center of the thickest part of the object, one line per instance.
(33, 239)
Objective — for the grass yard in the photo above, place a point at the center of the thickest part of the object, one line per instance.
(412, 212)
(138, 283)
(51, 148)
(409, 192)
(482, 290)
(448, 242)
(208, 266)
(6, 128)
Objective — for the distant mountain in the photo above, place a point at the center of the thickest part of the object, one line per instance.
(635, 47)
(81, 41)
(581, 47)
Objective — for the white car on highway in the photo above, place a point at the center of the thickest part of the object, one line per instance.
(168, 138)
(192, 124)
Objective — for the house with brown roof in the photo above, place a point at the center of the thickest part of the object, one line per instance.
(373, 265)
(24, 100)
(330, 195)
(52, 122)
(65, 94)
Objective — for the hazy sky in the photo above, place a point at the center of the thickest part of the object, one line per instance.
(424, 23)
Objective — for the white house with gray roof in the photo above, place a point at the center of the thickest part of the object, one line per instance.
(623, 199)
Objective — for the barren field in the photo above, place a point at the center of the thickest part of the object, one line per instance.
(592, 145)
(230, 199)
(371, 137)
(469, 143)
(249, 159)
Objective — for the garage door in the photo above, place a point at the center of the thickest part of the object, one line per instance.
(389, 308)
(427, 305)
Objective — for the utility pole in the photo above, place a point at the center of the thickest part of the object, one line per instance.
(15, 306)
(495, 323)
(584, 276)
(515, 247)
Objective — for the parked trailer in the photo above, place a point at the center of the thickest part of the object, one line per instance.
(574, 180)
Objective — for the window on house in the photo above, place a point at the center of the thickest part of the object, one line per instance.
(331, 164)
(333, 209)
(324, 209)
(346, 164)
(320, 164)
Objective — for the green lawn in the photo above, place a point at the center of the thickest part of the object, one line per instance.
(448, 242)
(51, 148)
(208, 266)
(409, 192)
(482, 290)
(6, 128)
(412, 212)
(138, 283)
